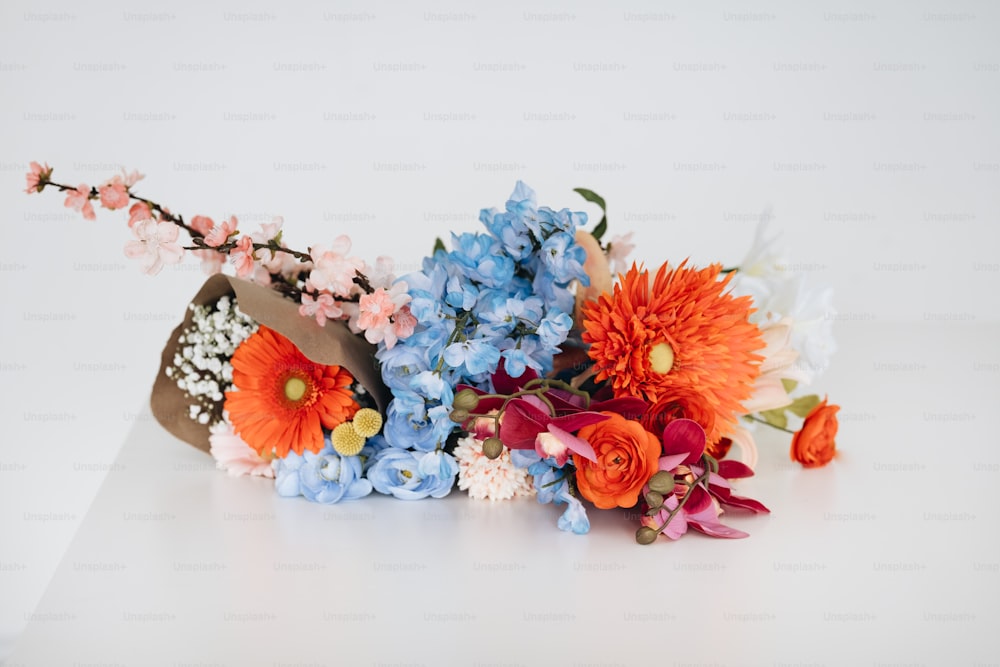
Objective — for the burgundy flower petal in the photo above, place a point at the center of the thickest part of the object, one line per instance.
(684, 435)
(503, 383)
(731, 469)
(521, 423)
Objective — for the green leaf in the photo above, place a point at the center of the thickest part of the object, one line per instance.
(803, 405)
(776, 417)
(789, 385)
(438, 245)
(592, 196)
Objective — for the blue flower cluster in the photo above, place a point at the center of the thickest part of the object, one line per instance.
(323, 477)
(503, 294)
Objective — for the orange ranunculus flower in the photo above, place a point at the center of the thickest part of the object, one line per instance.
(627, 456)
(814, 445)
(679, 404)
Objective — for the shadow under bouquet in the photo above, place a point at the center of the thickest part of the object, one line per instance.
(526, 360)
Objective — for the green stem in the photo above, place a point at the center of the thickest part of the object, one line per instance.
(764, 421)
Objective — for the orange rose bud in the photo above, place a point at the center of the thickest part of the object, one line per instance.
(813, 445)
(627, 456)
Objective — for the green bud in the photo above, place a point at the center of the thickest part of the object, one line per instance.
(459, 415)
(492, 447)
(662, 482)
(646, 535)
(654, 500)
(465, 400)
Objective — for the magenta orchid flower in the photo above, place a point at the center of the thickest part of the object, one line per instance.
(699, 495)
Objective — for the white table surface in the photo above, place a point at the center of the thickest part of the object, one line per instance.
(888, 556)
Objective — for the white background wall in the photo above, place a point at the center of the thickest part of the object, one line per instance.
(870, 128)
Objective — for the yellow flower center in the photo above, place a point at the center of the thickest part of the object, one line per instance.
(661, 358)
(295, 388)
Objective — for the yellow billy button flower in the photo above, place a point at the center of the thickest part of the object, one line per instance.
(346, 440)
(367, 422)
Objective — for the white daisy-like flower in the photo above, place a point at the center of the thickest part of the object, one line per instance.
(485, 478)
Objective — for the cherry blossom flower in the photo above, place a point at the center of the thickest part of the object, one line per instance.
(38, 177)
(79, 200)
(139, 211)
(332, 269)
(242, 256)
(155, 245)
(202, 224)
(619, 249)
(221, 232)
(114, 193)
(323, 308)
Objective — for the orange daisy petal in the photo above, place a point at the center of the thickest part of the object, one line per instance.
(708, 332)
(282, 400)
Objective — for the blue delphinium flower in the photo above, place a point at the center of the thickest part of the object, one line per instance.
(503, 294)
(412, 476)
(552, 486)
(322, 477)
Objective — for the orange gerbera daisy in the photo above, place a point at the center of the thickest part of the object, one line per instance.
(682, 332)
(283, 401)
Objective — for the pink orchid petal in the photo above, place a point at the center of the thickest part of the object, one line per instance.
(707, 521)
(684, 435)
(671, 462)
(746, 503)
(678, 524)
(575, 422)
(717, 530)
(573, 443)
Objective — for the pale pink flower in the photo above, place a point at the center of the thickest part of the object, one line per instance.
(282, 264)
(332, 269)
(155, 245)
(139, 211)
(221, 232)
(114, 193)
(597, 269)
(131, 178)
(242, 257)
(403, 323)
(619, 248)
(79, 200)
(380, 315)
(235, 456)
(381, 274)
(375, 309)
(38, 177)
(212, 261)
(269, 230)
(323, 308)
(202, 224)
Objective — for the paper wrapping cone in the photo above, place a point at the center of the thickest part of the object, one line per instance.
(333, 344)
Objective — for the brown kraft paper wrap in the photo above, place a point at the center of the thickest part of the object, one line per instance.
(332, 345)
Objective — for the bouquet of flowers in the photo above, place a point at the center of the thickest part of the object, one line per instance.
(526, 360)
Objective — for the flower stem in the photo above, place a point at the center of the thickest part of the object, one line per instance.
(764, 421)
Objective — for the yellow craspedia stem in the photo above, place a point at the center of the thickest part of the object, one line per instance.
(347, 441)
(661, 358)
(367, 422)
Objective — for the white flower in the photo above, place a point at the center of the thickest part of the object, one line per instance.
(779, 293)
(619, 249)
(482, 477)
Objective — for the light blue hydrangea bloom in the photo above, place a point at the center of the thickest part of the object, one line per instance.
(324, 477)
